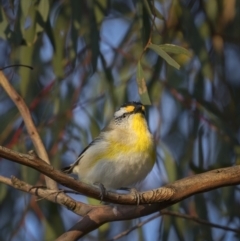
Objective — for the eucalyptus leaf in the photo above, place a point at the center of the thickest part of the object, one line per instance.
(43, 9)
(164, 55)
(142, 88)
(174, 49)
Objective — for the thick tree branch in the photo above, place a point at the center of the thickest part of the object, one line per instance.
(166, 195)
(95, 216)
(98, 216)
(160, 195)
(31, 129)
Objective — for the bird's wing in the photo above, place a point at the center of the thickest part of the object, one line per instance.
(70, 168)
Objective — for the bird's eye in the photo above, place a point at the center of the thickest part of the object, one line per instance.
(124, 115)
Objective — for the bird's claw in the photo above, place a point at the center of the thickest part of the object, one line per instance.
(134, 192)
(103, 190)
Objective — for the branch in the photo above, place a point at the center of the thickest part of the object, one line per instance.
(31, 129)
(162, 194)
(95, 216)
(139, 225)
(199, 220)
(175, 214)
(54, 196)
(166, 196)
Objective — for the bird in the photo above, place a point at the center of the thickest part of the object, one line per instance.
(122, 154)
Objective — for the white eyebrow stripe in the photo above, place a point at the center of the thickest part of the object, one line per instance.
(119, 112)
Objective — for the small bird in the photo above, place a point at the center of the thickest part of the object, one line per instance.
(123, 153)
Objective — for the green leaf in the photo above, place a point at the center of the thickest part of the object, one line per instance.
(164, 55)
(100, 7)
(29, 33)
(42, 15)
(174, 49)
(25, 56)
(43, 9)
(142, 88)
(25, 5)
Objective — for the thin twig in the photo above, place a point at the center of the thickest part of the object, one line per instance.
(31, 129)
(17, 65)
(175, 214)
(139, 225)
(199, 220)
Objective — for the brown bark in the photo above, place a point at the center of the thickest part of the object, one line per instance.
(94, 216)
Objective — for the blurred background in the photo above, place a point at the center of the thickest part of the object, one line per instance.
(85, 56)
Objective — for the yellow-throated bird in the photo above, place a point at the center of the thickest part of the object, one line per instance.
(123, 153)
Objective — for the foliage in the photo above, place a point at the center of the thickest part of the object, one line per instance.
(89, 57)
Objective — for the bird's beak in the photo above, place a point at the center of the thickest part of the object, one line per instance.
(139, 109)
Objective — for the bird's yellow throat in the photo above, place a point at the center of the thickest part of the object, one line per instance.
(140, 128)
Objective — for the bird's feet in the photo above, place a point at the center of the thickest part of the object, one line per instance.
(103, 190)
(134, 192)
